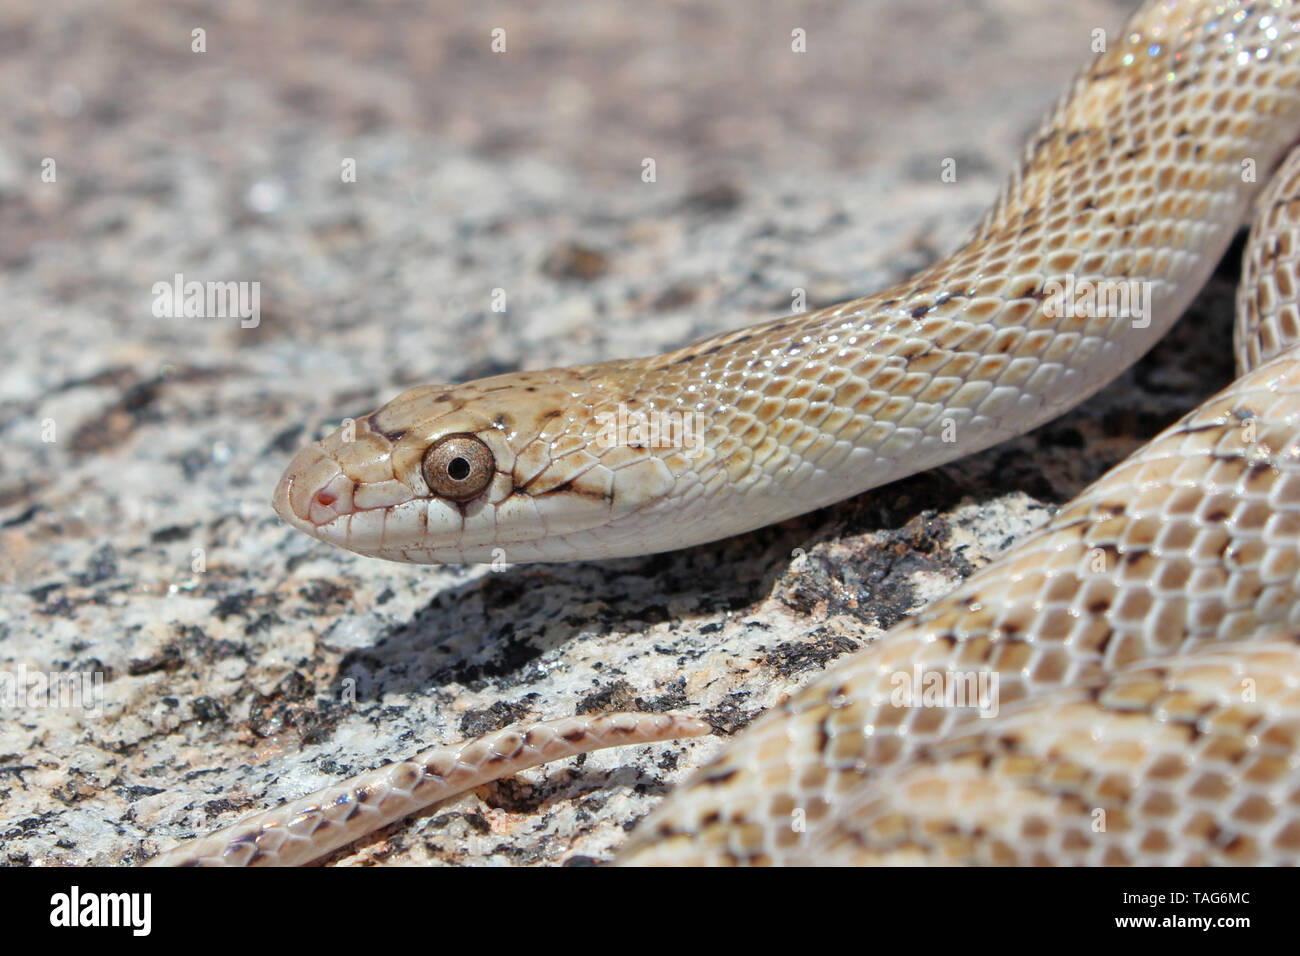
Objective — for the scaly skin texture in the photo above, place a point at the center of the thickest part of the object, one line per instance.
(1185, 762)
(1194, 540)
(1174, 556)
(299, 831)
(1136, 178)
(1140, 716)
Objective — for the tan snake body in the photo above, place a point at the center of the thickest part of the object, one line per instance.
(1143, 643)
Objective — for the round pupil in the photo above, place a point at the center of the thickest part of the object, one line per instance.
(458, 469)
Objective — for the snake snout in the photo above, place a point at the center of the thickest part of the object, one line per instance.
(313, 491)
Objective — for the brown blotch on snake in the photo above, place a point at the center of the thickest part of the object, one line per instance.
(1112, 192)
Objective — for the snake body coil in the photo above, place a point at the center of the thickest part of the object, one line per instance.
(1123, 636)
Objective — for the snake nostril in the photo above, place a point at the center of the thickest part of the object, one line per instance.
(326, 498)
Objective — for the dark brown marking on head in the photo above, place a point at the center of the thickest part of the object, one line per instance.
(570, 488)
(573, 736)
(393, 435)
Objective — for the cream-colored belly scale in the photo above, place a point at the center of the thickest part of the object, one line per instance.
(1141, 645)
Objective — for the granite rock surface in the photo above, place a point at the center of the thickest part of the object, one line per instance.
(242, 663)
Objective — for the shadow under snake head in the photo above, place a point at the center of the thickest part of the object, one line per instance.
(527, 466)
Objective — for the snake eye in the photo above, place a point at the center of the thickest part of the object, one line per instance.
(458, 467)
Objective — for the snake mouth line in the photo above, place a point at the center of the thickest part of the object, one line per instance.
(1131, 655)
(317, 496)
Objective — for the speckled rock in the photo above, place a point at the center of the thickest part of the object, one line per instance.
(243, 663)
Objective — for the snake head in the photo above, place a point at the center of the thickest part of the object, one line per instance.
(514, 468)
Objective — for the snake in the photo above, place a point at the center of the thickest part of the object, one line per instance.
(1120, 687)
